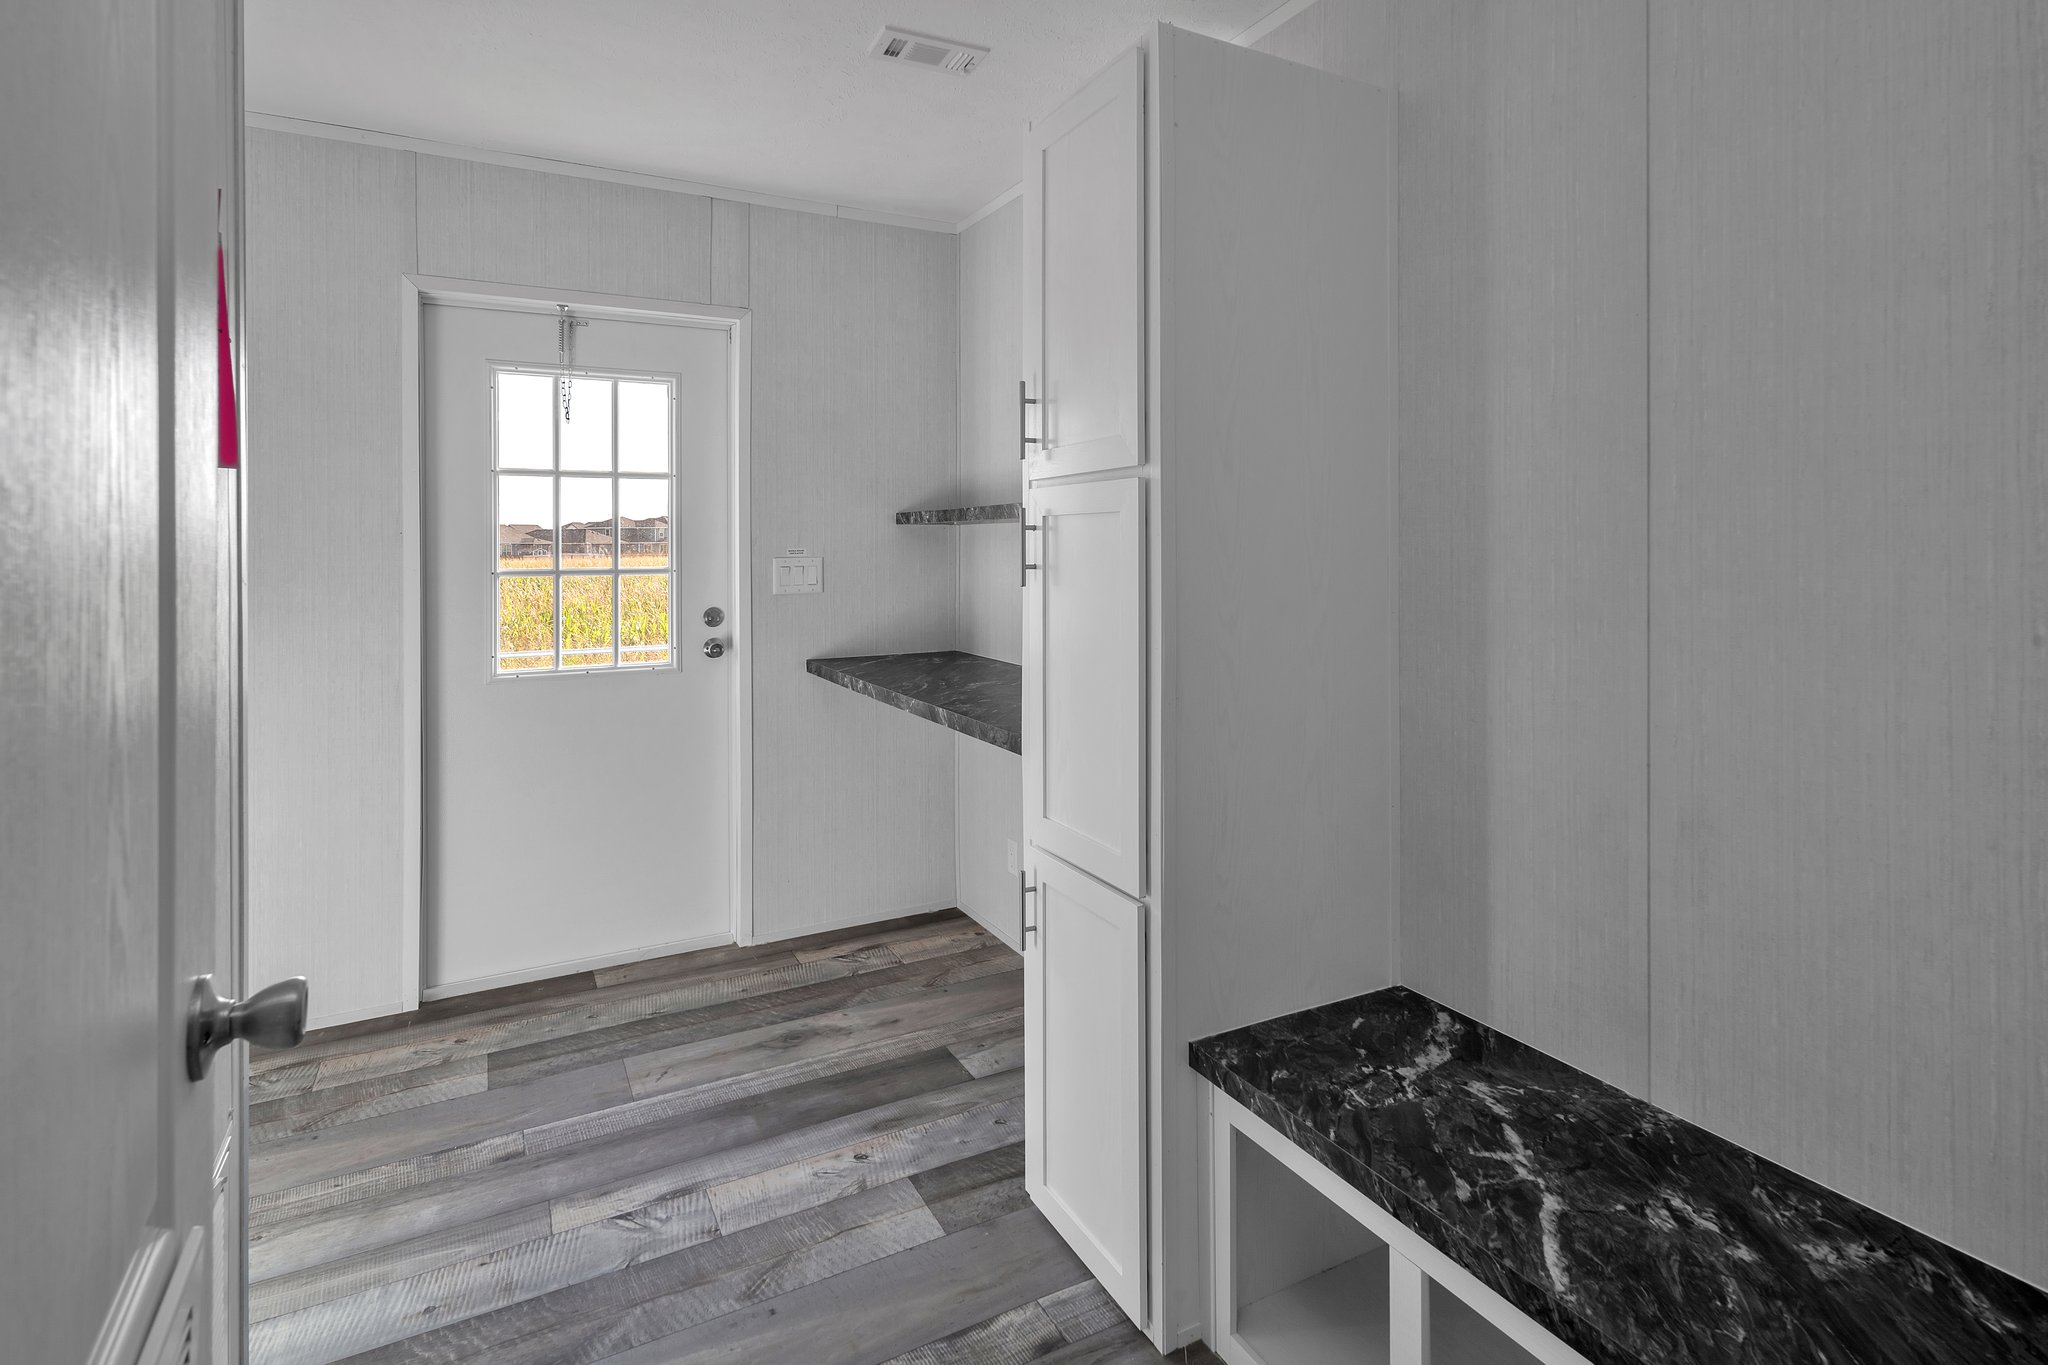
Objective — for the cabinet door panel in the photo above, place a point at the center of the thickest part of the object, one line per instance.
(1084, 276)
(1084, 1057)
(1084, 679)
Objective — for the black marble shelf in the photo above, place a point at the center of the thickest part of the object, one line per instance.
(1629, 1233)
(962, 516)
(980, 698)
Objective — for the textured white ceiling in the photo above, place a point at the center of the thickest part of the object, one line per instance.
(775, 96)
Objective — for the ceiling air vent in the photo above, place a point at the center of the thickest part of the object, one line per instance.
(921, 49)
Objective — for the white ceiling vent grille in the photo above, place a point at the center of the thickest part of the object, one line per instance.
(921, 49)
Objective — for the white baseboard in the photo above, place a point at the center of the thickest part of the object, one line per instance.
(853, 922)
(581, 964)
(1002, 935)
(356, 1016)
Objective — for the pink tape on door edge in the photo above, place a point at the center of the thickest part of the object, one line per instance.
(230, 415)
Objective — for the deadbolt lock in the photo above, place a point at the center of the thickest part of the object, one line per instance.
(713, 617)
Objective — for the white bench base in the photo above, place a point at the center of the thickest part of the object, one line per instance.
(1308, 1271)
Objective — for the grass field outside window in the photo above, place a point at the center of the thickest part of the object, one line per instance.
(582, 514)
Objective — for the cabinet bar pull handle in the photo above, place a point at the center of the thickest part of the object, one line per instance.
(1024, 564)
(1025, 889)
(1024, 439)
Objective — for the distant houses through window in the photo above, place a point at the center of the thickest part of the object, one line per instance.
(583, 496)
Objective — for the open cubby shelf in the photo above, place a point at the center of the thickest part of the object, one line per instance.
(1311, 1273)
(1337, 1317)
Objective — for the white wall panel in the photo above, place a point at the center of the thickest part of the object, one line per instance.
(853, 411)
(729, 246)
(1276, 472)
(988, 782)
(1850, 691)
(991, 347)
(485, 222)
(330, 231)
(1834, 667)
(1523, 353)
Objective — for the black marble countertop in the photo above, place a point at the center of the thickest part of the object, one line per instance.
(1629, 1233)
(962, 516)
(980, 698)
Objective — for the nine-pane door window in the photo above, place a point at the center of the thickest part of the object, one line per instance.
(584, 501)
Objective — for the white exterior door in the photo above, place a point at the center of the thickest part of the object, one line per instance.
(1084, 276)
(116, 611)
(1084, 1023)
(1084, 679)
(578, 738)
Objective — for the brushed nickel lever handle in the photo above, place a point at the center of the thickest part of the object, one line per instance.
(274, 1017)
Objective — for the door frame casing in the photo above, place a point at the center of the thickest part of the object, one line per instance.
(415, 293)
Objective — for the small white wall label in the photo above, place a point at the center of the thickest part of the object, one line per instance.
(797, 573)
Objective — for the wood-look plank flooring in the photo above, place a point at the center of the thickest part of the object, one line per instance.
(804, 1153)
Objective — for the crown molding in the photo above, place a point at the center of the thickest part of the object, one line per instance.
(372, 137)
(1280, 15)
(1014, 192)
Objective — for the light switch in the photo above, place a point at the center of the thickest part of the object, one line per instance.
(798, 574)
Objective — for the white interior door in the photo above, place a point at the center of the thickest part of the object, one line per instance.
(1084, 275)
(578, 738)
(1084, 679)
(116, 612)
(1084, 1023)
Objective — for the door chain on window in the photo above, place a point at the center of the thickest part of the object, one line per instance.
(564, 336)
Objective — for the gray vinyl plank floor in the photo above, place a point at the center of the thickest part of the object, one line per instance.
(806, 1153)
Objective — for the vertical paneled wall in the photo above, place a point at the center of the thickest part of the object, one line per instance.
(1849, 464)
(1522, 324)
(1724, 522)
(485, 222)
(330, 231)
(853, 418)
(989, 782)
(855, 330)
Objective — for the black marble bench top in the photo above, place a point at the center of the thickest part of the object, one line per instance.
(1627, 1232)
(980, 698)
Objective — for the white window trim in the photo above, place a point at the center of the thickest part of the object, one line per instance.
(556, 570)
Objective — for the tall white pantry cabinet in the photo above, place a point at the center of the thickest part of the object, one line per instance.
(1207, 431)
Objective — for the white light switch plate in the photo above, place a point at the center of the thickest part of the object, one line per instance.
(797, 574)
(1012, 861)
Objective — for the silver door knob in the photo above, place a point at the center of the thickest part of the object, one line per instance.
(714, 649)
(273, 1017)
